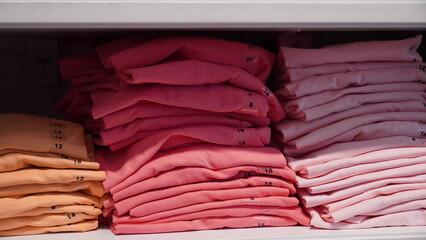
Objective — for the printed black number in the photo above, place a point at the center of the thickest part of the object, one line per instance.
(251, 46)
(71, 215)
(261, 224)
(58, 146)
(240, 130)
(422, 67)
(252, 198)
(248, 174)
(242, 143)
(249, 59)
(268, 183)
(423, 133)
(268, 170)
(80, 178)
(63, 156)
(77, 161)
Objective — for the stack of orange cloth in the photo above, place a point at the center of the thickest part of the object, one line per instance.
(48, 179)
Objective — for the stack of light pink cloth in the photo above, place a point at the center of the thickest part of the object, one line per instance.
(184, 122)
(355, 132)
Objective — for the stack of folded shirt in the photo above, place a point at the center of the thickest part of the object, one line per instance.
(48, 179)
(356, 132)
(185, 133)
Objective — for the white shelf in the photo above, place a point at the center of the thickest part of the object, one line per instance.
(279, 233)
(213, 14)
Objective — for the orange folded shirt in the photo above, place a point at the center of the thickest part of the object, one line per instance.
(76, 227)
(90, 210)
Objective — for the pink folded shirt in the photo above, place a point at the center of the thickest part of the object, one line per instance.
(247, 137)
(295, 213)
(371, 157)
(407, 206)
(355, 193)
(365, 132)
(368, 51)
(407, 218)
(121, 164)
(271, 201)
(358, 170)
(215, 98)
(194, 72)
(152, 125)
(359, 128)
(151, 110)
(310, 101)
(255, 60)
(405, 171)
(355, 100)
(350, 149)
(204, 224)
(105, 51)
(208, 156)
(336, 81)
(125, 205)
(371, 194)
(289, 129)
(296, 74)
(197, 197)
(194, 175)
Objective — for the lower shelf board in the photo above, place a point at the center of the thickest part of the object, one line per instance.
(276, 233)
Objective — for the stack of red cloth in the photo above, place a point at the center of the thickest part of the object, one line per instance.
(185, 121)
(355, 132)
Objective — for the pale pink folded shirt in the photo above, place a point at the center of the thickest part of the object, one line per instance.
(186, 128)
(357, 137)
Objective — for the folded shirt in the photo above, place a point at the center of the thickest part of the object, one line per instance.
(358, 170)
(363, 127)
(194, 72)
(289, 129)
(125, 205)
(93, 188)
(404, 171)
(295, 213)
(47, 176)
(121, 164)
(74, 227)
(14, 205)
(203, 196)
(16, 161)
(350, 149)
(45, 220)
(356, 100)
(407, 218)
(153, 110)
(194, 175)
(149, 126)
(53, 135)
(406, 206)
(209, 156)
(296, 74)
(106, 50)
(372, 194)
(370, 157)
(367, 51)
(255, 60)
(317, 84)
(204, 224)
(355, 193)
(214, 98)
(297, 105)
(271, 201)
(375, 204)
(89, 210)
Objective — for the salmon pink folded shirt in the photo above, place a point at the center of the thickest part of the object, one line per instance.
(125, 205)
(193, 72)
(193, 175)
(268, 201)
(209, 156)
(367, 51)
(255, 60)
(150, 126)
(121, 164)
(215, 98)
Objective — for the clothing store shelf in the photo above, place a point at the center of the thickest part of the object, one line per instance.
(214, 14)
(277, 233)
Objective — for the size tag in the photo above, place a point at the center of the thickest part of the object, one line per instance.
(58, 137)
